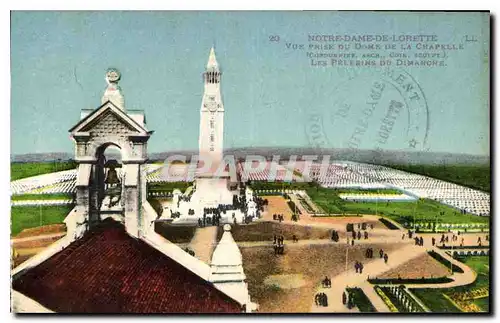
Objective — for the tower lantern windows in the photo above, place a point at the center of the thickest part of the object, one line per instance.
(212, 77)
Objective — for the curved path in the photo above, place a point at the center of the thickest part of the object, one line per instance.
(376, 267)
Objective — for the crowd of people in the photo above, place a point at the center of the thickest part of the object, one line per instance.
(278, 217)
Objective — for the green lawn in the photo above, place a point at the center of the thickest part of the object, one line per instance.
(474, 176)
(327, 199)
(168, 186)
(23, 170)
(425, 211)
(435, 300)
(23, 217)
(55, 196)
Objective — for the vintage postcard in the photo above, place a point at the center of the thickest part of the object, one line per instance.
(250, 162)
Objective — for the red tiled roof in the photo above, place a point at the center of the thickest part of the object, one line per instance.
(108, 271)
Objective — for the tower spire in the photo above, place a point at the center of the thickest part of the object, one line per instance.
(212, 61)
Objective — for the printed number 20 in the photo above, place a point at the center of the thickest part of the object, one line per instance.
(275, 38)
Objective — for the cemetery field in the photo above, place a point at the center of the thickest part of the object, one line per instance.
(287, 283)
(425, 211)
(470, 298)
(24, 217)
(385, 191)
(23, 170)
(473, 176)
(265, 231)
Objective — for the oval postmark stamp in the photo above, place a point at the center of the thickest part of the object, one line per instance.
(381, 109)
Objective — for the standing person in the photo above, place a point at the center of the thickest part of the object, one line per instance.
(403, 237)
(360, 268)
(274, 239)
(433, 241)
(359, 235)
(381, 253)
(325, 300)
(366, 235)
(344, 298)
(462, 242)
(386, 257)
(422, 241)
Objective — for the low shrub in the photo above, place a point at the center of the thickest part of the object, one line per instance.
(388, 224)
(445, 262)
(385, 281)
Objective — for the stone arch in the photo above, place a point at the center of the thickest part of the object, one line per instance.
(110, 126)
(103, 168)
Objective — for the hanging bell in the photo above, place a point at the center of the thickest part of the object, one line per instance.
(112, 177)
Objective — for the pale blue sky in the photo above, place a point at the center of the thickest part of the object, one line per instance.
(58, 61)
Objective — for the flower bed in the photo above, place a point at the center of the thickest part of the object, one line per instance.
(471, 294)
(386, 299)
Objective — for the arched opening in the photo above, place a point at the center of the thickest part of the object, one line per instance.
(109, 178)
